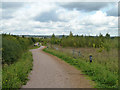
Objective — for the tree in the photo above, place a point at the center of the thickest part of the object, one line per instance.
(33, 39)
(63, 36)
(77, 35)
(23, 36)
(71, 34)
(53, 35)
(100, 35)
(53, 39)
(107, 35)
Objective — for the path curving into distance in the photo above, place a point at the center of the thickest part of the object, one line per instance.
(52, 72)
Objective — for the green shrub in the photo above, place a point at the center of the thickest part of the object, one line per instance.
(13, 47)
(15, 75)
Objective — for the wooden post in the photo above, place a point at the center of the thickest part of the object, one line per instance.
(73, 52)
(79, 53)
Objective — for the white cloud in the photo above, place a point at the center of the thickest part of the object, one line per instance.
(30, 10)
(78, 22)
(68, 15)
(99, 19)
(60, 0)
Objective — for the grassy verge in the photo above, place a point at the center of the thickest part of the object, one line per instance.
(15, 75)
(98, 73)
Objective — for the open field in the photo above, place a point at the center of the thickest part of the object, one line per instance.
(98, 72)
(107, 59)
(103, 49)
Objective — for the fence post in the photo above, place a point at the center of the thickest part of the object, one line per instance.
(73, 52)
(79, 53)
(90, 57)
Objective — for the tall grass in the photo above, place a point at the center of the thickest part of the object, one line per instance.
(108, 60)
(16, 60)
(98, 73)
(15, 75)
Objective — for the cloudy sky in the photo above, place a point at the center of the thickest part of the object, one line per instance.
(46, 18)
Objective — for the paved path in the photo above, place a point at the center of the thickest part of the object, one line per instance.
(51, 72)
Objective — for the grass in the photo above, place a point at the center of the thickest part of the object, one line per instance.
(107, 59)
(16, 74)
(97, 72)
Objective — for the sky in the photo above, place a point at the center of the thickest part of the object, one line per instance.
(46, 18)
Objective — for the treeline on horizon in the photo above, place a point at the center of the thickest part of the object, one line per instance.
(103, 42)
(13, 46)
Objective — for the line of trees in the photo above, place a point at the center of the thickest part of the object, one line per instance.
(105, 42)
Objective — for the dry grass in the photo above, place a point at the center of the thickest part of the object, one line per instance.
(97, 72)
(108, 59)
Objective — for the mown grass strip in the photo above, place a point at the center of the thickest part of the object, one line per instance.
(15, 75)
(97, 72)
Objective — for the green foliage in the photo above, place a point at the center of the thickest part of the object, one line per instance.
(107, 45)
(23, 36)
(93, 45)
(33, 40)
(13, 47)
(53, 35)
(104, 42)
(98, 73)
(107, 35)
(100, 50)
(71, 34)
(15, 75)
